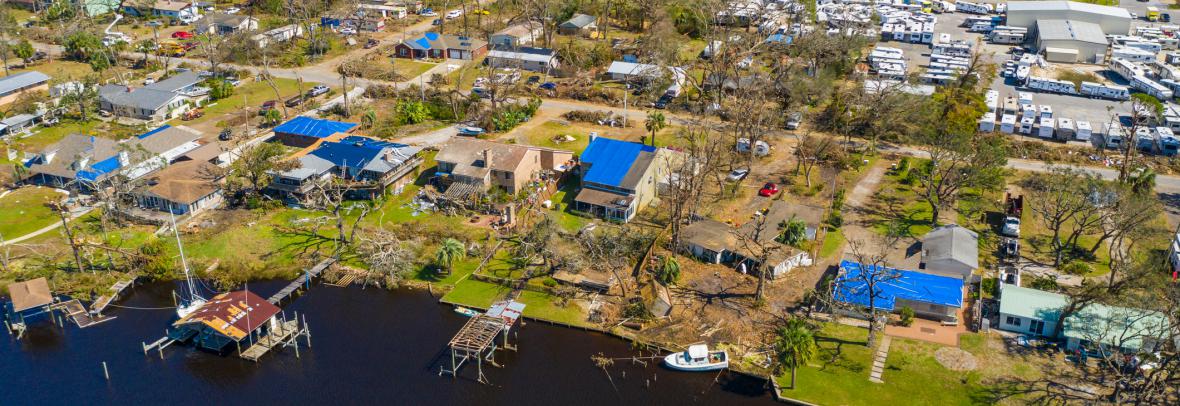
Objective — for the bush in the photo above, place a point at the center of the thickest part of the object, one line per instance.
(1077, 268)
(1044, 283)
(836, 219)
(991, 287)
(903, 165)
(549, 282)
(838, 200)
(907, 316)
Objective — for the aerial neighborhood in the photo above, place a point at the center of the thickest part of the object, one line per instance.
(832, 202)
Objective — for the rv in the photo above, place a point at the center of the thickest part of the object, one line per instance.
(1112, 136)
(1026, 125)
(1008, 124)
(1065, 129)
(1046, 128)
(988, 122)
(1112, 92)
(1166, 142)
(1084, 131)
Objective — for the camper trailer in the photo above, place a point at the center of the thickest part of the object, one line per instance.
(1084, 130)
(1026, 125)
(1046, 130)
(1008, 124)
(988, 122)
(1065, 129)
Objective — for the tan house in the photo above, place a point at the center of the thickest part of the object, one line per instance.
(13, 86)
(621, 178)
(183, 187)
(480, 164)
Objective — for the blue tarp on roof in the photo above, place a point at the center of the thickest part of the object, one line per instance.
(900, 284)
(313, 127)
(154, 132)
(611, 159)
(352, 152)
(99, 168)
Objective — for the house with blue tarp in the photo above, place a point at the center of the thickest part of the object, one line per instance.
(84, 161)
(371, 165)
(303, 131)
(620, 178)
(435, 45)
(930, 296)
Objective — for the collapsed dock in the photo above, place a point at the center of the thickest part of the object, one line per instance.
(476, 340)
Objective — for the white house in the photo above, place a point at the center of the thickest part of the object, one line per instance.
(542, 60)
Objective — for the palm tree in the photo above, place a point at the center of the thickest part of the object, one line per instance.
(1143, 180)
(669, 271)
(655, 122)
(794, 346)
(369, 118)
(794, 232)
(450, 251)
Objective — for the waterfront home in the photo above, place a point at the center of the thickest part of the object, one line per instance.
(620, 178)
(950, 250)
(578, 24)
(182, 188)
(156, 102)
(369, 165)
(715, 242)
(15, 85)
(232, 318)
(472, 165)
(930, 296)
(542, 60)
(1037, 313)
(435, 45)
(303, 131)
(85, 161)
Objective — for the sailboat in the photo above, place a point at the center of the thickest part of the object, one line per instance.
(194, 300)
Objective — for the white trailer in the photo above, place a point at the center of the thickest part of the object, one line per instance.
(1046, 111)
(974, 8)
(1143, 84)
(1046, 128)
(988, 122)
(1024, 97)
(1027, 124)
(1112, 92)
(1112, 136)
(1065, 129)
(1084, 131)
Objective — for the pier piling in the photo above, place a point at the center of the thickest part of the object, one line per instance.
(105, 373)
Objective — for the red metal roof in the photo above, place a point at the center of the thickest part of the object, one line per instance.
(233, 314)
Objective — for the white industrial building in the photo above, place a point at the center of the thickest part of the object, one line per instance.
(1113, 20)
(1070, 41)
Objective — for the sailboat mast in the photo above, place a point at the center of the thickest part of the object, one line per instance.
(188, 276)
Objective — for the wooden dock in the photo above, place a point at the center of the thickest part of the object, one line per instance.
(285, 335)
(76, 312)
(303, 281)
(105, 300)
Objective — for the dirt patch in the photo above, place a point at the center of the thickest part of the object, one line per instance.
(955, 359)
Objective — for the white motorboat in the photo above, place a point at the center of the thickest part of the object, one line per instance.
(465, 311)
(698, 358)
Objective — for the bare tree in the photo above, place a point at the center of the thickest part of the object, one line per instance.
(702, 155)
(761, 249)
(811, 151)
(871, 280)
(332, 196)
(1062, 199)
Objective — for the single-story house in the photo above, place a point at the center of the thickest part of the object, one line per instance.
(578, 24)
(517, 35)
(372, 23)
(84, 160)
(281, 34)
(619, 177)
(643, 73)
(435, 45)
(18, 124)
(479, 165)
(183, 187)
(303, 131)
(174, 9)
(951, 250)
(228, 318)
(221, 23)
(718, 243)
(1037, 312)
(384, 10)
(13, 86)
(373, 164)
(930, 296)
(156, 102)
(543, 60)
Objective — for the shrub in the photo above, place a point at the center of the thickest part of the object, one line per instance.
(903, 165)
(991, 286)
(907, 316)
(1043, 283)
(838, 200)
(549, 282)
(1077, 268)
(836, 219)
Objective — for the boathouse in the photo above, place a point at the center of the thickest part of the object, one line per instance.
(31, 300)
(238, 317)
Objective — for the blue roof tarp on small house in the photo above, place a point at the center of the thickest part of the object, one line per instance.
(313, 127)
(914, 286)
(611, 159)
(154, 132)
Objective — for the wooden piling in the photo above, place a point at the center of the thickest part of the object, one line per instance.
(106, 373)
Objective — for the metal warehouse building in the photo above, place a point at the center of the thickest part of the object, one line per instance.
(1070, 41)
(1113, 20)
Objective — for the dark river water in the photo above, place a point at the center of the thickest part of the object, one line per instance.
(369, 347)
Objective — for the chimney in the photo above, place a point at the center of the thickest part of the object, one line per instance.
(593, 135)
(487, 158)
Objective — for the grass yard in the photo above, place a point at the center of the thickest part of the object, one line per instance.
(833, 241)
(23, 211)
(548, 134)
(538, 305)
(45, 136)
(247, 96)
(475, 293)
(839, 374)
(563, 202)
(60, 70)
(410, 69)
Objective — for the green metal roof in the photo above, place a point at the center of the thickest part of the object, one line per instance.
(1112, 325)
(1031, 303)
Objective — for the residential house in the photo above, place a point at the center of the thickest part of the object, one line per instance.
(84, 161)
(384, 10)
(369, 23)
(1037, 313)
(184, 187)
(222, 24)
(91, 8)
(229, 318)
(281, 34)
(517, 35)
(174, 9)
(372, 165)
(15, 85)
(930, 296)
(619, 178)
(477, 165)
(719, 243)
(578, 24)
(950, 250)
(543, 60)
(17, 124)
(303, 131)
(435, 45)
(643, 73)
(156, 102)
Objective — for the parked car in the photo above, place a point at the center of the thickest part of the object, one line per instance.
(471, 131)
(481, 92)
(348, 31)
(1167, 18)
(768, 190)
(294, 101)
(317, 90)
(267, 106)
(225, 135)
(662, 102)
(182, 35)
(794, 120)
(453, 14)
(437, 21)
(1011, 227)
(155, 23)
(1010, 248)
(371, 43)
(738, 174)
(533, 79)
(427, 12)
(233, 10)
(548, 86)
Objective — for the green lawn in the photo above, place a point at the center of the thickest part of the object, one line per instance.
(23, 211)
(839, 374)
(44, 136)
(833, 241)
(411, 69)
(563, 202)
(250, 94)
(60, 70)
(475, 293)
(538, 305)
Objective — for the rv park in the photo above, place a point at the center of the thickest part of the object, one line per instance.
(853, 202)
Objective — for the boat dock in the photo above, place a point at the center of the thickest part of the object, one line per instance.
(303, 281)
(476, 340)
(76, 312)
(105, 300)
(285, 335)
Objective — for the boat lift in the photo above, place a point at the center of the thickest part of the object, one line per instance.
(477, 339)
